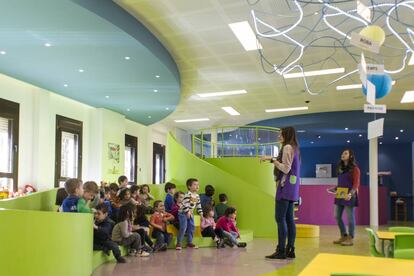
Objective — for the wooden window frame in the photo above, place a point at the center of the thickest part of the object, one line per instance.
(72, 126)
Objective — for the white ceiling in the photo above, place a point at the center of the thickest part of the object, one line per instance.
(211, 59)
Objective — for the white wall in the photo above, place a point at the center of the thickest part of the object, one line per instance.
(38, 109)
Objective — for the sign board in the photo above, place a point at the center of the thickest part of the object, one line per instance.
(371, 92)
(363, 70)
(364, 43)
(373, 69)
(375, 128)
(377, 108)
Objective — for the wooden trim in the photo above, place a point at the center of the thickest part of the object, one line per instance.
(72, 126)
(132, 141)
(11, 110)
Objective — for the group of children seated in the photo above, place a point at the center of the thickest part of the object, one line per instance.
(124, 216)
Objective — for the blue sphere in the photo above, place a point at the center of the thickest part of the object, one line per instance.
(383, 85)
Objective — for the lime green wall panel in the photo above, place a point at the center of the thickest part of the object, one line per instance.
(37, 243)
(254, 203)
(42, 201)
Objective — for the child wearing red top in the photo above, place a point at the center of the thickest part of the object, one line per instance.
(230, 231)
(159, 226)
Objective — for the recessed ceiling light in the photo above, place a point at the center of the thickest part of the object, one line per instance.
(287, 109)
(192, 120)
(314, 73)
(301, 131)
(245, 35)
(346, 128)
(2, 52)
(224, 93)
(401, 130)
(155, 90)
(149, 117)
(354, 86)
(157, 76)
(65, 85)
(167, 108)
(312, 142)
(348, 141)
(397, 138)
(81, 70)
(127, 58)
(380, 143)
(230, 110)
(408, 97)
(316, 13)
(360, 135)
(107, 97)
(48, 44)
(319, 137)
(128, 109)
(411, 62)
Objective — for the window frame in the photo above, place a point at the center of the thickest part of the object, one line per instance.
(132, 142)
(158, 149)
(72, 126)
(11, 110)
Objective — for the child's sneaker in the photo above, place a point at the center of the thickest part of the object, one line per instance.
(163, 247)
(178, 247)
(121, 260)
(242, 244)
(193, 246)
(132, 252)
(143, 254)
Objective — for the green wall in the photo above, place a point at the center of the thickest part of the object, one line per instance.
(248, 184)
(41, 201)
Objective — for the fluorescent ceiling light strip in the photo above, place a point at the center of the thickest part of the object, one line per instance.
(287, 109)
(224, 93)
(354, 86)
(245, 35)
(192, 120)
(408, 97)
(230, 110)
(314, 73)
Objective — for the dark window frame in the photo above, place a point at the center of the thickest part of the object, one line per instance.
(72, 126)
(11, 111)
(132, 141)
(158, 149)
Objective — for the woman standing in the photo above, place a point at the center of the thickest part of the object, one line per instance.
(346, 196)
(287, 177)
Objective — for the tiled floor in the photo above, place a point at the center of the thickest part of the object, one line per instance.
(226, 262)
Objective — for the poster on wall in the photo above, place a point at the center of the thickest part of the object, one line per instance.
(113, 156)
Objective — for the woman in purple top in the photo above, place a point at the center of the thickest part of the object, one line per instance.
(287, 177)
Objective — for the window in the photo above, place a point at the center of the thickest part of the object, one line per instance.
(158, 160)
(131, 164)
(9, 144)
(68, 150)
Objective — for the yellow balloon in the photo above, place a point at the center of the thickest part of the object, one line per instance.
(375, 33)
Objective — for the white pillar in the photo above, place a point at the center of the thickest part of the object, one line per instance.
(373, 183)
(213, 144)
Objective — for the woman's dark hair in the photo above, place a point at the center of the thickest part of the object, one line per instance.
(206, 210)
(177, 194)
(123, 192)
(169, 186)
(342, 168)
(289, 138)
(122, 178)
(125, 212)
(134, 188)
(209, 190)
(229, 211)
(142, 188)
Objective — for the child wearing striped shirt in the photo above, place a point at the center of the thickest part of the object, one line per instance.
(186, 213)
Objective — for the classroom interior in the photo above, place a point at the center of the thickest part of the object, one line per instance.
(163, 91)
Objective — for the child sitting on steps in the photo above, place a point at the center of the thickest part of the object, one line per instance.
(159, 226)
(208, 227)
(230, 231)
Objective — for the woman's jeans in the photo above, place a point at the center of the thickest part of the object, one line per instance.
(350, 213)
(186, 226)
(285, 223)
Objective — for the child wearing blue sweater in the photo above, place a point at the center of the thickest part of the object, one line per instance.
(73, 187)
(169, 198)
